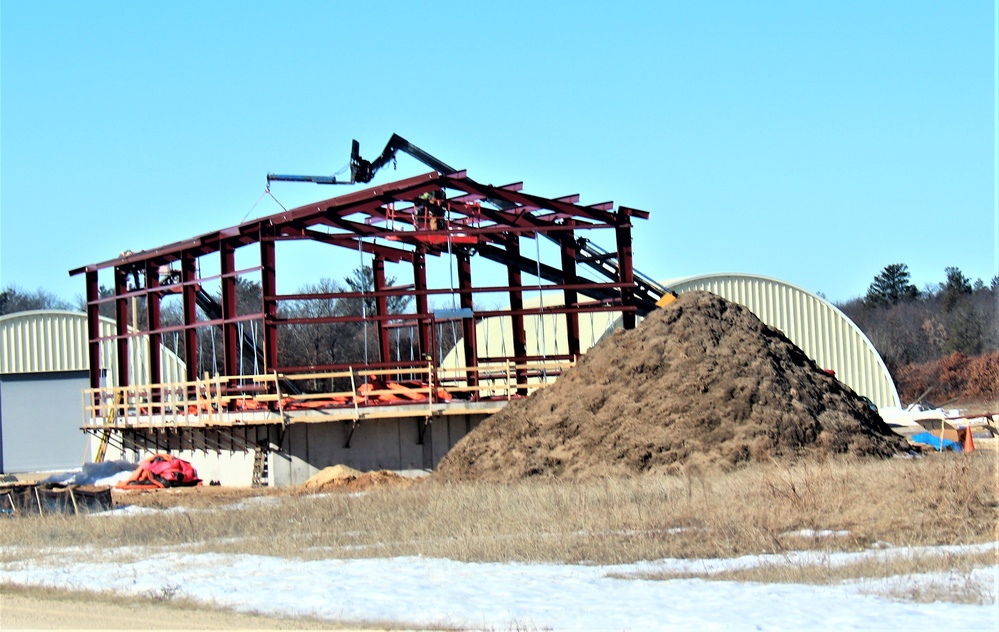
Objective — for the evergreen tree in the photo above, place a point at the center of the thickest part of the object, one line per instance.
(964, 331)
(890, 287)
(956, 286)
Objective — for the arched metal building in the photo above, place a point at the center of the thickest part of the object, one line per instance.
(44, 367)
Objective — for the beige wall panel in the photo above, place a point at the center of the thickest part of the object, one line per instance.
(47, 341)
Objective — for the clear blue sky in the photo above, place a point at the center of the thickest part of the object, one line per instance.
(815, 142)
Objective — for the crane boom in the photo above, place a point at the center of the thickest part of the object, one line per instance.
(650, 294)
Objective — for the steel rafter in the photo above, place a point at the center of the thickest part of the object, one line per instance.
(400, 222)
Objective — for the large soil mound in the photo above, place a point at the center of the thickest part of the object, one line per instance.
(700, 383)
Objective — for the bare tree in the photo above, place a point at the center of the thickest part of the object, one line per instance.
(14, 299)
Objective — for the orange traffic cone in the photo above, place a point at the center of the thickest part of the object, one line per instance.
(969, 443)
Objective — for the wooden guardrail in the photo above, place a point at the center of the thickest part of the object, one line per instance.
(228, 399)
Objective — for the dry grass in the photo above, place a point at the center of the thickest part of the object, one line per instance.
(943, 499)
(165, 605)
(823, 571)
(955, 569)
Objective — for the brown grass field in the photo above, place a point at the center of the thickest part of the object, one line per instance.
(938, 499)
(853, 505)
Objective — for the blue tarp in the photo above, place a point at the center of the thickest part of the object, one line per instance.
(930, 439)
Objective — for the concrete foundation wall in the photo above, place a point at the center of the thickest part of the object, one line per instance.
(306, 448)
(385, 444)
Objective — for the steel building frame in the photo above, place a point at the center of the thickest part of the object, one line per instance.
(433, 214)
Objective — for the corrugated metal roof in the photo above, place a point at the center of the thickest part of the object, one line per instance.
(47, 341)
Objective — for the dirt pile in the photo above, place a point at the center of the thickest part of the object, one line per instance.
(701, 383)
(343, 478)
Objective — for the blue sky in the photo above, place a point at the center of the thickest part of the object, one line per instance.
(814, 142)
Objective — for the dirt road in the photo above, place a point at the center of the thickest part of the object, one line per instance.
(56, 610)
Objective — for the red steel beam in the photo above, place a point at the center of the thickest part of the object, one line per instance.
(381, 306)
(490, 226)
(627, 275)
(515, 280)
(153, 298)
(567, 243)
(188, 273)
(121, 322)
(94, 331)
(230, 333)
(467, 323)
(268, 287)
(422, 303)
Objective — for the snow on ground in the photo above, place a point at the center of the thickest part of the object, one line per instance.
(427, 592)
(107, 473)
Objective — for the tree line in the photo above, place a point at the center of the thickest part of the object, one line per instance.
(911, 326)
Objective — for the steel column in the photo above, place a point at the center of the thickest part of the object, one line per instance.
(94, 329)
(381, 306)
(515, 280)
(467, 322)
(153, 298)
(188, 273)
(623, 233)
(121, 323)
(568, 247)
(268, 285)
(422, 302)
(230, 333)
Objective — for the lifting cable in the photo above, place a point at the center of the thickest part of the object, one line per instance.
(364, 301)
(266, 191)
(503, 334)
(215, 364)
(239, 327)
(454, 306)
(253, 335)
(398, 345)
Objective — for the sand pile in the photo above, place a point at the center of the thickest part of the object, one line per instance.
(341, 477)
(701, 383)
